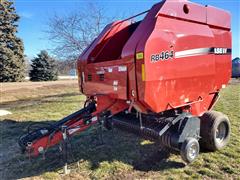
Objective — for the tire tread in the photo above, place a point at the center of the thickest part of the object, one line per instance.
(208, 125)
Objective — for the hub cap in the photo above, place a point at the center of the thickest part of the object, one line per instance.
(221, 132)
(193, 151)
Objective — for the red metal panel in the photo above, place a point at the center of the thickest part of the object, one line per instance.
(184, 10)
(180, 79)
(192, 33)
(114, 82)
(218, 17)
(222, 38)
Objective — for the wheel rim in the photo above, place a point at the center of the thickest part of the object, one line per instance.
(221, 132)
(193, 151)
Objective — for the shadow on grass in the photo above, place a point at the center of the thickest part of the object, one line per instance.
(118, 146)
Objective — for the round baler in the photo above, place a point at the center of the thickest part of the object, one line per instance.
(167, 71)
(159, 78)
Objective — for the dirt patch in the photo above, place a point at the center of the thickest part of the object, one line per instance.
(16, 86)
(19, 93)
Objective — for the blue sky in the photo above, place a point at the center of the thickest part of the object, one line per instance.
(35, 13)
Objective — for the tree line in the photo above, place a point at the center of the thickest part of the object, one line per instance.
(68, 34)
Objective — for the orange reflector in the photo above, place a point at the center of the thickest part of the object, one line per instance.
(139, 56)
(143, 72)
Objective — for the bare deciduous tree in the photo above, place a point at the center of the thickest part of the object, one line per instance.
(70, 34)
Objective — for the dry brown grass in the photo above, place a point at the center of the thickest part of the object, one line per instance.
(11, 92)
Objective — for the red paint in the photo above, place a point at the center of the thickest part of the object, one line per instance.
(178, 82)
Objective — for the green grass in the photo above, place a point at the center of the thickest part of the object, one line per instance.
(123, 156)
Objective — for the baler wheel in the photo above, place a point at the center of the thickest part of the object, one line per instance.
(214, 131)
(190, 150)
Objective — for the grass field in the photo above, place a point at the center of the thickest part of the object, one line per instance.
(123, 156)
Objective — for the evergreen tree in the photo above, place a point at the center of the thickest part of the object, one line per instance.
(44, 68)
(12, 64)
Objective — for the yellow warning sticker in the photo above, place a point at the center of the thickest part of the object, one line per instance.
(143, 72)
(139, 56)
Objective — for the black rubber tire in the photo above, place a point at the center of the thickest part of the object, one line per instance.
(185, 150)
(210, 122)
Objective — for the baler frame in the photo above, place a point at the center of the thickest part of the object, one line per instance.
(173, 129)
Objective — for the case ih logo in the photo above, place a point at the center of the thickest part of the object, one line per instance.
(220, 50)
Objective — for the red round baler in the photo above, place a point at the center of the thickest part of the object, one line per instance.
(159, 77)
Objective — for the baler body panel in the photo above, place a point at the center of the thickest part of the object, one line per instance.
(179, 55)
(106, 78)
